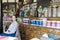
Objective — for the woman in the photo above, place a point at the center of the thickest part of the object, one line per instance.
(12, 28)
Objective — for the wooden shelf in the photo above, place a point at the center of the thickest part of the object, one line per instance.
(41, 27)
(54, 19)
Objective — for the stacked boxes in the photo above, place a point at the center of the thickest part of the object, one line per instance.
(36, 22)
(53, 24)
(26, 21)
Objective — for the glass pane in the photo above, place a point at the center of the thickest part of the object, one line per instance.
(11, 0)
(16, 0)
(4, 1)
(35, 0)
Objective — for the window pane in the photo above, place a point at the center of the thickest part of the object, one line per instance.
(11, 0)
(35, 0)
(4, 1)
(16, 0)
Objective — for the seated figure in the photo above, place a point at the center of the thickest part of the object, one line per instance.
(12, 29)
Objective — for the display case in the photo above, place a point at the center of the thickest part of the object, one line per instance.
(45, 9)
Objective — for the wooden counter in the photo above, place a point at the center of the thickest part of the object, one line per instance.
(35, 31)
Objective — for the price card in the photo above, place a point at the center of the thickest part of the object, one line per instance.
(26, 21)
(58, 24)
(48, 24)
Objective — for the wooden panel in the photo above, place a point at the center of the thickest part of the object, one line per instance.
(44, 30)
(35, 31)
(32, 32)
(56, 19)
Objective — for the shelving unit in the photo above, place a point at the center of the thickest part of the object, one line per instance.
(30, 31)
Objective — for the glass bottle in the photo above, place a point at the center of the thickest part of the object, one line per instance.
(17, 13)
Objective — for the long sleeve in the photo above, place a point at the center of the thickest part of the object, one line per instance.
(12, 28)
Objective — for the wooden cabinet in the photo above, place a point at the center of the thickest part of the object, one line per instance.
(35, 31)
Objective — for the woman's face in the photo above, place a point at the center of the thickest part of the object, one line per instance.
(13, 18)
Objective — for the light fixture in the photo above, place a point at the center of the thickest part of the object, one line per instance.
(35, 0)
